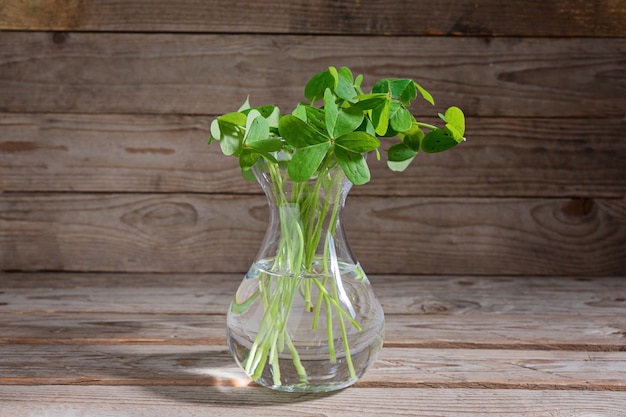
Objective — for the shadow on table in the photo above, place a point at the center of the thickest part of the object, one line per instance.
(196, 375)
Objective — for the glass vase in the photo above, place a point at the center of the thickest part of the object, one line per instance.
(305, 318)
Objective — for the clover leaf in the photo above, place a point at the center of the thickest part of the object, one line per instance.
(438, 140)
(455, 122)
(299, 133)
(399, 117)
(306, 161)
(354, 165)
(339, 120)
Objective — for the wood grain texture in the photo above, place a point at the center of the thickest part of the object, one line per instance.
(443, 330)
(226, 400)
(530, 313)
(159, 337)
(153, 365)
(411, 295)
(221, 233)
(72, 340)
(482, 17)
(163, 153)
(213, 74)
(500, 265)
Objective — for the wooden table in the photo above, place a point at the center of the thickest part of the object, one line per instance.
(74, 344)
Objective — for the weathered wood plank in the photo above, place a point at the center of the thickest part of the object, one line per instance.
(492, 236)
(412, 295)
(221, 233)
(150, 365)
(552, 332)
(433, 312)
(483, 17)
(134, 153)
(213, 74)
(224, 401)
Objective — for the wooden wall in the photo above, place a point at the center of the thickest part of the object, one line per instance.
(105, 109)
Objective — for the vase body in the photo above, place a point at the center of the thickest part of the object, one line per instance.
(305, 318)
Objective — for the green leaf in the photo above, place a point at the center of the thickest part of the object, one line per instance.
(300, 112)
(357, 84)
(370, 101)
(230, 138)
(409, 93)
(425, 94)
(382, 86)
(306, 161)
(354, 165)
(335, 74)
(266, 111)
(270, 113)
(230, 145)
(299, 134)
(316, 118)
(399, 88)
(413, 138)
(359, 142)
(400, 152)
(344, 89)
(367, 126)
(248, 175)
(349, 120)
(455, 122)
(247, 159)
(438, 140)
(234, 118)
(400, 118)
(346, 73)
(257, 128)
(314, 89)
(331, 112)
(399, 166)
(250, 116)
(215, 131)
(245, 105)
(340, 121)
(380, 117)
(265, 145)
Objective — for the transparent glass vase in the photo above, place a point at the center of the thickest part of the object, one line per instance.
(305, 318)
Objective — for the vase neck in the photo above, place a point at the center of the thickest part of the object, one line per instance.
(305, 231)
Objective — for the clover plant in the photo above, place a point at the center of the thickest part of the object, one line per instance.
(339, 121)
(334, 130)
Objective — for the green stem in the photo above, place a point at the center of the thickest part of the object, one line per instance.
(344, 334)
(329, 327)
(340, 309)
(318, 306)
(315, 215)
(296, 255)
(346, 348)
(426, 125)
(332, 223)
(273, 358)
(295, 357)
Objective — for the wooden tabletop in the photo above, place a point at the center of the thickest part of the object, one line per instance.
(154, 344)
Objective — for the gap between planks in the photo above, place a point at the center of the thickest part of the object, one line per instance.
(221, 382)
(260, 402)
(568, 347)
